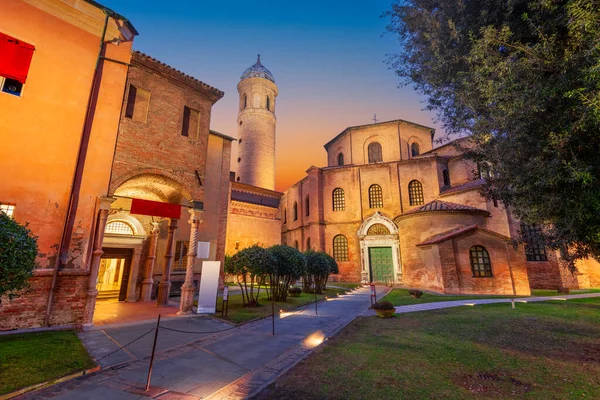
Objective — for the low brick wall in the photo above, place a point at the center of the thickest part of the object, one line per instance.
(28, 310)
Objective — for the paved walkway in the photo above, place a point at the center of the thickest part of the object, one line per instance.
(195, 361)
(458, 303)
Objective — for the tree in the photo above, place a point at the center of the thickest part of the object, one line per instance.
(251, 266)
(318, 268)
(523, 79)
(18, 251)
(290, 264)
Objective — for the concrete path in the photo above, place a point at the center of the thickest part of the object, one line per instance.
(200, 357)
(458, 303)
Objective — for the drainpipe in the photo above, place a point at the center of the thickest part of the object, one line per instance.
(67, 228)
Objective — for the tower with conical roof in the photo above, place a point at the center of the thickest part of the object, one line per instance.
(256, 127)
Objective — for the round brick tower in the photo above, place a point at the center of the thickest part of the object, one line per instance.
(256, 127)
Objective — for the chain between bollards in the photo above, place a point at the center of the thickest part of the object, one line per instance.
(153, 351)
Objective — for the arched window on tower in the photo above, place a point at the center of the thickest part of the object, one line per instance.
(285, 215)
(339, 201)
(245, 100)
(268, 103)
(307, 206)
(295, 211)
(375, 197)
(415, 150)
(415, 193)
(340, 159)
(308, 244)
(375, 154)
(296, 244)
(340, 248)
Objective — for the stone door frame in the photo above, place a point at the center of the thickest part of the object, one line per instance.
(367, 241)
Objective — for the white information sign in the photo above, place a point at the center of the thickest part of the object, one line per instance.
(203, 250)
(225, 292)
(209, 283)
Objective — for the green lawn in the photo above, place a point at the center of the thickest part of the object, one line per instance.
(31, 358)
(237, 313)
(547, 350)
(400, 297)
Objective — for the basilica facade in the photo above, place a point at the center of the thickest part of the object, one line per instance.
(392, 209)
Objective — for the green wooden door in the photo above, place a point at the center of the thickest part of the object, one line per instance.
(381, 264)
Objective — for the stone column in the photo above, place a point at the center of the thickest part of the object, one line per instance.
(164, 287)
(187, 290)
(133, 274)
(92, 292)
(149, 266)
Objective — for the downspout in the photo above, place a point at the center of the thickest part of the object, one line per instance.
(76, 181)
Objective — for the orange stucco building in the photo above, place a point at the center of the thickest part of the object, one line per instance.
(59, 126)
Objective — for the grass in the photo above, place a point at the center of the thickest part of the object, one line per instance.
(345, 285)
(400, 297)
(28, 359)
(237, 313)
(546, 350)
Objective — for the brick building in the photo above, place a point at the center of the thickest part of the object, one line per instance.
(62, 75)
(254, 207)
(392, 209)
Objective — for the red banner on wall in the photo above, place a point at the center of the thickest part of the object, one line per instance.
(15, 58)
(155, 208)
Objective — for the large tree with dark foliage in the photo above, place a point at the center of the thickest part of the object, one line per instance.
(523, 79)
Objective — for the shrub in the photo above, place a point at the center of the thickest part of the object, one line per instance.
(415, 293)
(383, 305)
(289, 265)
(18, 250)
(251, 266)
(295, 290)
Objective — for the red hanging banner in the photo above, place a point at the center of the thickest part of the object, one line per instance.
(155, 208)
(15, 58)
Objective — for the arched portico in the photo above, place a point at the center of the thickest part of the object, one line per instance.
(379, 247)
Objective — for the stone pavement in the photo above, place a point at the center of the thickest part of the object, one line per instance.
(195, 361)
(458, 303)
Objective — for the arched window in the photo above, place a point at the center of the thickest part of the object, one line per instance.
(378, 229)
(415, 193)
(340, 248)
(480, 262)
(119, 228)
(296, 244)
(268, 103)
(307, 244)
(535, 249)
(285, 215)
(415, 150)
(307, 206)
(295, 211)
(374, 151)
(375, 197)
(245, 100)
(340, 159)
(446, 176)
(339, 202)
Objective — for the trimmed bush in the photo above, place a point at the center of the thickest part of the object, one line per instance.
(383, 305)
(289, 265)
(18, 251)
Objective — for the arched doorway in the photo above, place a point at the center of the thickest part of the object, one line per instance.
(380, 255)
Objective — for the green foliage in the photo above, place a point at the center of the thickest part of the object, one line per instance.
(318, 267)
(290, 264)
(251, 266)
(523, 79)
(383, 305)
(18, 250)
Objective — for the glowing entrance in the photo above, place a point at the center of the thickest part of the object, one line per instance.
(381, 265)
(380, 250)
(110, 278)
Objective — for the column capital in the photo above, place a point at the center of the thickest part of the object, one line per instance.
(155, 227)
(104, 202)
(195, 215)
(173, 224)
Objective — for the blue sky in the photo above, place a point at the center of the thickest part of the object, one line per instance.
(328, 59)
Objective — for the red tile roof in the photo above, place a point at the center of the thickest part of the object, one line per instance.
(463, 187)
(439, 205)
(442, 237)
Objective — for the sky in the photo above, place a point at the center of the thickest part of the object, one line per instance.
(328, 59)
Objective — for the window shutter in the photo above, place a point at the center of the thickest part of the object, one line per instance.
(15, 58)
